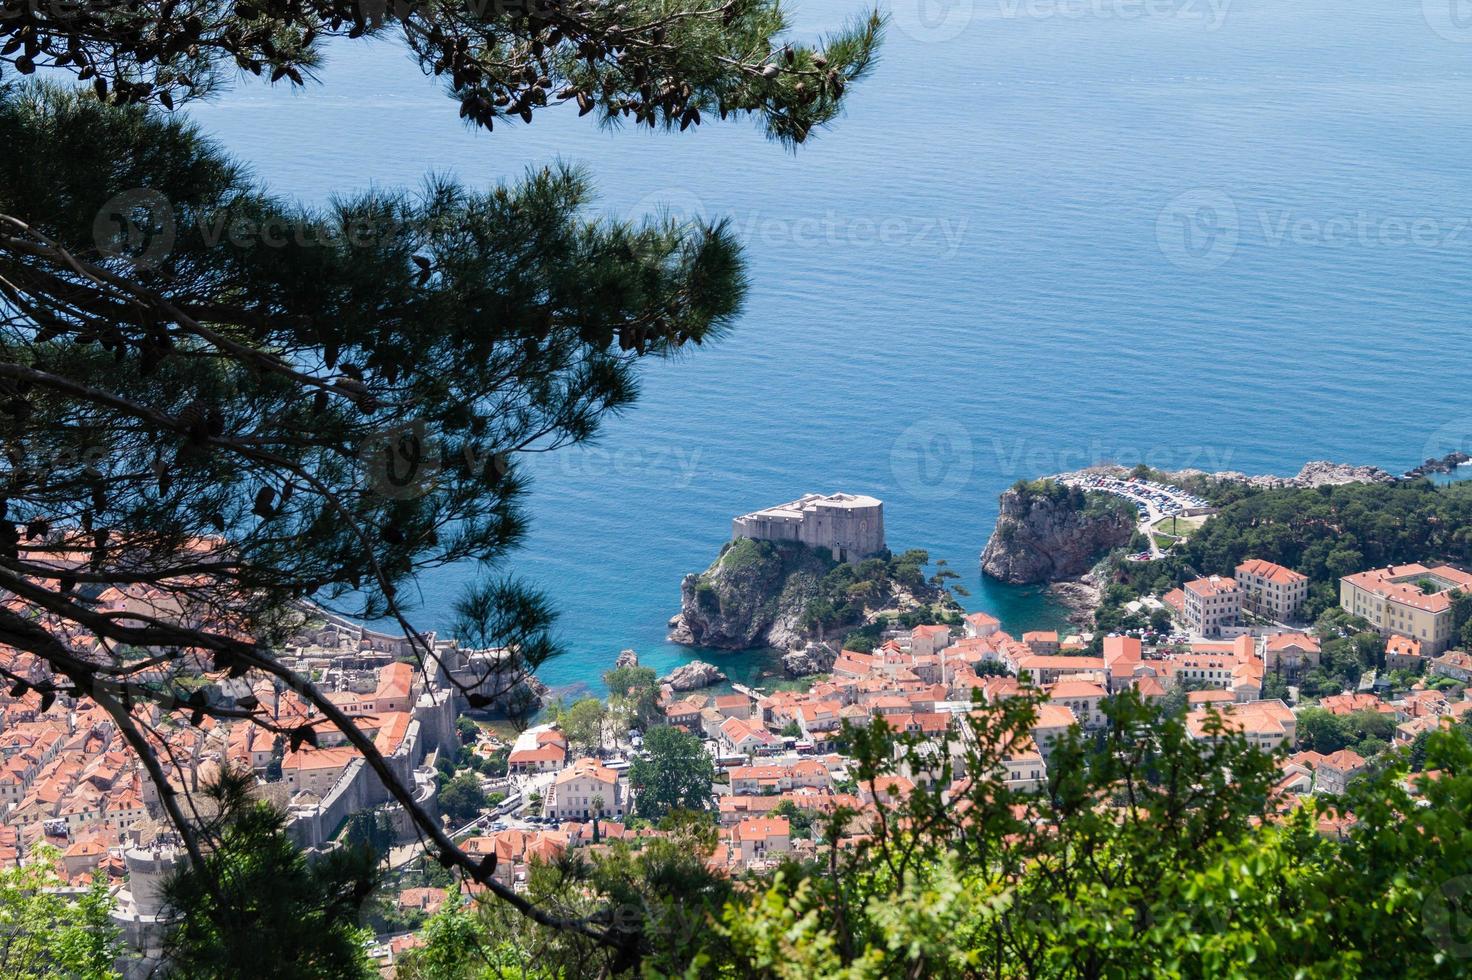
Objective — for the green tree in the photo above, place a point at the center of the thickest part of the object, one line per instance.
(242, 402)
(1321, 731)
(799, 821)
(582, 723)
(372, 830)
(52, 935)
(256, 908)
(673, 773)
(462, 798)
(634, 692)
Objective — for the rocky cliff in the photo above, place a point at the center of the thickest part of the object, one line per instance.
(1046, 532)
(761, 594)
(693, 676)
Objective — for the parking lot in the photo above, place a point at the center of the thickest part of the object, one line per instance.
(1153, 502)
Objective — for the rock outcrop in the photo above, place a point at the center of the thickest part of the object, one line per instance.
(754, 594)
(1445, 464)
(1046, 532)
(1315, 473)
(626, 658)
(693, 676)
(766, 594)
(1322, 473)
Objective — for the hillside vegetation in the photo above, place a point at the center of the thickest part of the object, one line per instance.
(1149, 854)
(1323, 532)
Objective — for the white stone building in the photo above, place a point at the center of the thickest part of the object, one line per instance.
(1212, 603)
(850, 525)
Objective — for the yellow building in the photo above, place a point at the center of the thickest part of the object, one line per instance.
(1410, 600)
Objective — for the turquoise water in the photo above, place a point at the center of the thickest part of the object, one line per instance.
(1216, 234)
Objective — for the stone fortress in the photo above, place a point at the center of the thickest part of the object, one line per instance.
(848, 524)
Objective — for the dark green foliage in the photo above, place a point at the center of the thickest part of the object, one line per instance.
(371, 830)
(258, 909)
(634, 693)
(849, 593)
(1324, 532)
(462, 798)
(660, 894)
(502, 62)
(673, 773)
(1141, 858)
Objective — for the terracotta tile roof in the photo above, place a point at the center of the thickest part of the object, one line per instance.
(1270, 571)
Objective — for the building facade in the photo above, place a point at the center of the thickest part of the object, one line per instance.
(1271, 590)
(1413, 601)
(849, 525)
(1212, 603)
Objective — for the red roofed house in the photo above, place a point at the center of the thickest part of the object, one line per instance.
(757, 837)
(1041, 642)
(1266, 724)
(1212, 603)
(584, 790)
(745, 737)
(1290, 654)
(395, 688)
(1082, 698)
(542, 750)
(1331, 772)
(1403, 653)
(1271, 590)
(980, 624)
(927, 641)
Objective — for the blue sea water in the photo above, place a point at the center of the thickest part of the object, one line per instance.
(1213, 233)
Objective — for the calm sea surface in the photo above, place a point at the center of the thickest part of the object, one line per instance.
(1215, 233)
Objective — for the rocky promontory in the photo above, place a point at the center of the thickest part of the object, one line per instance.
(1047, 532)
(693, 676)
(785, 595)
(1442, 464)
